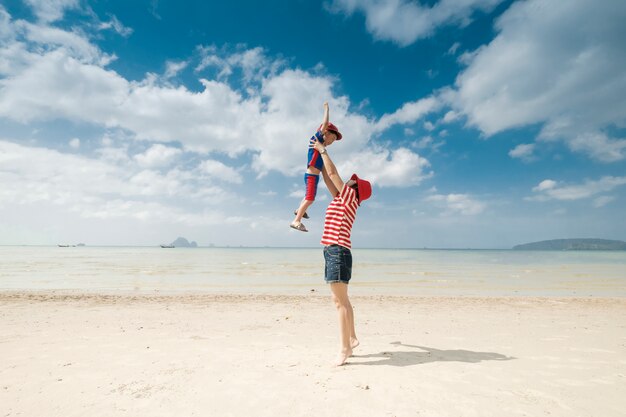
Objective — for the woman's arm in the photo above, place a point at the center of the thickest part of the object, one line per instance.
(329, 167)
(329, 183)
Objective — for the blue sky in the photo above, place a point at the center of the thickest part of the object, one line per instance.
(480, 123)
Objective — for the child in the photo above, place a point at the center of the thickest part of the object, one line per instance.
(326, 134)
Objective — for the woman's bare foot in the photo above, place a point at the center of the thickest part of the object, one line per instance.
(354, 342)
(342, 358)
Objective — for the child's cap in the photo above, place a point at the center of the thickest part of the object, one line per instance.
(333, 129)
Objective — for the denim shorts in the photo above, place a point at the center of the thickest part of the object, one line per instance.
(338, 264)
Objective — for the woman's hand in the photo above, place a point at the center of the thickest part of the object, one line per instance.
(319, 146)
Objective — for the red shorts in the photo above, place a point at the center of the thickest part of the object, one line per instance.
(311, 181)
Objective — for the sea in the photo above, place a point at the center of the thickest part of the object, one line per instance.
(293, 271)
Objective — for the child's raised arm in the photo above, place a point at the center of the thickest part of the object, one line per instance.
(325, 119)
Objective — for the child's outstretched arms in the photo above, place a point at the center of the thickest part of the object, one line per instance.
(325, 119)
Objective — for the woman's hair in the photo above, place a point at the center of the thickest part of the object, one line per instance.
(355, 187)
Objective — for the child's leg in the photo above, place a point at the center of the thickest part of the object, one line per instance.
(302, 209)
(311, 181)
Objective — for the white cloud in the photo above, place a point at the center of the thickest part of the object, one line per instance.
(97, 188)
(31, 175)
(74, 143)
(559, 64)
(89, 91)
(424, 142)
(71, 43)
(450, 116)
(113, 154)
(7, 32)
(153, 183)
(51, 10)
(545, 185)
(157, 156)
(117, 26)
(523, 151)
(429, 126)
(551, 190)
(467, 57)
(428, 142)
(293, 113)
(217, 169)
(210, 120)
(603, 201)
(457, 204)
(253, 63)
(405, 21)
(297, 193)
(383, 168)
(455, 46)
(597, 145)
(107, 140)
(149, 212)
(272, 118)
(173, 68)
(409, 113)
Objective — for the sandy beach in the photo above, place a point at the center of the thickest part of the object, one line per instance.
(237, 355)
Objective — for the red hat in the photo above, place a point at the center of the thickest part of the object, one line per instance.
(333, 129)
(364, 187)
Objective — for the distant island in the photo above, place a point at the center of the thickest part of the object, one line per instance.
(181, 242)
(574, 244)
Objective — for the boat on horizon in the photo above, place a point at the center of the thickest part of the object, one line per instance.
(168, 246)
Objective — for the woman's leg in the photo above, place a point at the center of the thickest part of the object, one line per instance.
(354, 342)
(344, 309)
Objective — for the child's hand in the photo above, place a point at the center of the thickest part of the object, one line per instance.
(325, 104)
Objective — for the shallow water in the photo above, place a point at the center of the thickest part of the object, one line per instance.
(298, 271)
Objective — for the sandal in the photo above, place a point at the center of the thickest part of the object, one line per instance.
(298, 226)
(305, 216)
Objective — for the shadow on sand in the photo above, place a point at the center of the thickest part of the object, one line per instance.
(426, 355)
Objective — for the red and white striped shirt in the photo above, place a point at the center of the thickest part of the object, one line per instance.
(340, 216)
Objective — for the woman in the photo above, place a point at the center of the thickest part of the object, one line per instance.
(340, 216)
